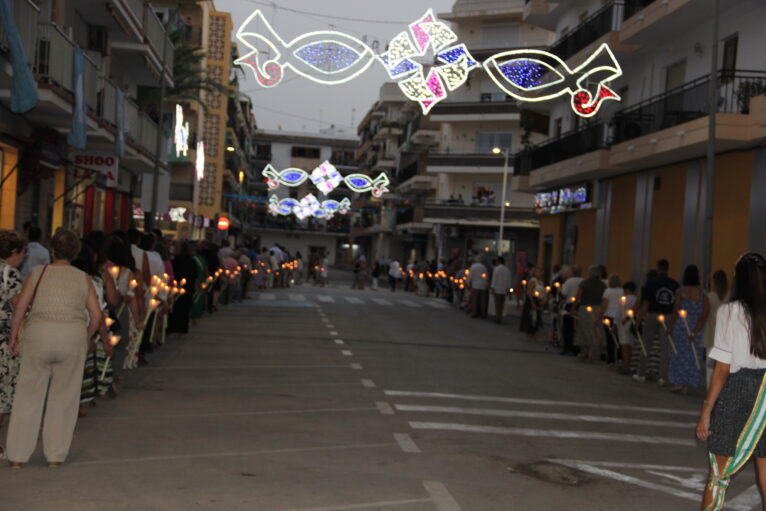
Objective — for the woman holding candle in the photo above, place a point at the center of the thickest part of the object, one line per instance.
(686, 325)
(200, 296)
(127, 313)
(53, 350)
(732, 419)
(185, 270)
(588, 301)
(532, 311)
(12, 251)
(612, 310)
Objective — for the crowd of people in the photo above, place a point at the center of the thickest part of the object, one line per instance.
(78, 314)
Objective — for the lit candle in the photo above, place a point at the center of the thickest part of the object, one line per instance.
(113, 340)
(182, 291)
(589, 309)
(204, 286)
(115, 272)
(154, 303)
(623, 301)
(573, 299)
(133, 284)
(154, 290)
(557, 285)
(108, 321)
(661, 318)
(683, 314)
(548, 289)
(183, 282)
(523, 282)
(632, 316)
(608, 325)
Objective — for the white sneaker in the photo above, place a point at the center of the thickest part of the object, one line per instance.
(640, 379)
(661, 382)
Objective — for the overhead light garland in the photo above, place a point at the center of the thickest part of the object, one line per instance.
(331, 57)
(326, 178)
(199, 164)
(309, 206)
(181, 133)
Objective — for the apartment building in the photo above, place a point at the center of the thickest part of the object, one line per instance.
(627, 187)
(283, 150)
(451, 180)
(75, 154)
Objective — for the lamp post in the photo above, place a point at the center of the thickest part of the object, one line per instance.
(506, 152)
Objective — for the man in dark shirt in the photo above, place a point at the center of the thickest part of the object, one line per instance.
(657, 299)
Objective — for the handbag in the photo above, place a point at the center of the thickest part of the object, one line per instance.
(31, 302)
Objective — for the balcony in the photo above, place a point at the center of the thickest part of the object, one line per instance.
(421, 132)
(453, 211)
(480, 163)
(538, 12)
(633, 7)
(596, 26)
(646, 22)
(25, 16)
(476, 111)
(417, 184)
(569, 145)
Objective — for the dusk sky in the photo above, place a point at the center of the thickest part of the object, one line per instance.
(298, 104)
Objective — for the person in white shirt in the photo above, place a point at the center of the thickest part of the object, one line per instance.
(394, 274)
(732, 418)
(37, 254)
(611, 311)
(478, 282)
(626, 330)
(500, 285)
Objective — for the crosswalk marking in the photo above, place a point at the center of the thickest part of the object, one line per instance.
(326, 299)
(436, 305)
(410, 303)
(553, 433)
(381, 301)
(353, 299)
(296, 298)
(268, 296)
(406, 443)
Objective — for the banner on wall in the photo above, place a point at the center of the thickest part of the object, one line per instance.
(104, 166)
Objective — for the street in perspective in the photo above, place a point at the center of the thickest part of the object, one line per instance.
(455, 255)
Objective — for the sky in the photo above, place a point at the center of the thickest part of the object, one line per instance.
(298, 104)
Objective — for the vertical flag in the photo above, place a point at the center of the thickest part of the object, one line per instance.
(23, 85)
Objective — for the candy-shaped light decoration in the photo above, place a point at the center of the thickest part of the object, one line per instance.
(289, 177)
(326, 177)
(537, 75)
(361, 183)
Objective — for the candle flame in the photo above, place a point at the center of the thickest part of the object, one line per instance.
(114, 270)
(183, 282)
(661, 317)
(154, 290)
(114, 340)
(589, 308)
(682, 313)
(133, 284)
(548, 288)
(154, 302)
(607, 322)
(557, 285)
(630, 313)
(623, 299)
(523, 282)
(573, 299)
(108, 321)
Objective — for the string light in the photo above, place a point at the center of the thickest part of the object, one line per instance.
(199, 164)
(181, 133)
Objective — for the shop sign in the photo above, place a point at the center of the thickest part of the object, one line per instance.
(105, 166)
(563, 199)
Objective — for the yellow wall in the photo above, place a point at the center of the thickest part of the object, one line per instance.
(585, 252)
(551, 225)
(8, 194)
(59, 188)
(731, 207)
(667, 217)
(621, 221)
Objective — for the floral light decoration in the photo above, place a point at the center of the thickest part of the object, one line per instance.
(308, 206)
(331, 57)
(181, 133)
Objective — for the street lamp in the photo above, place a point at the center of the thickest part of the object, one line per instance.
(503, 204)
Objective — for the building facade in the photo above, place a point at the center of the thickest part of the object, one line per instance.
(629, 186)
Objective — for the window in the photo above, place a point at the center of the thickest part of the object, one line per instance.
(486, 141)
(729, 59)
(558, 127)
(305, 152)
(675, 75)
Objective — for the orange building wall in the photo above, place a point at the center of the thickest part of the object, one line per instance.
(731, 206)
(552, 225)
(667, 217)
(621, 222)
(585, 253)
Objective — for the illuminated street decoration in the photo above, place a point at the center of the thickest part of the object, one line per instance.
(309, 206)
(326, 177)
(199, 164)
(536, 75)
(287, 177)
(427, 62)
(181, 133)
(361, 183)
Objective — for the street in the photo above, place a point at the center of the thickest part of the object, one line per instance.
(309, 399)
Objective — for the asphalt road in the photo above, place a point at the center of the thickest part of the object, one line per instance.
(309, 399)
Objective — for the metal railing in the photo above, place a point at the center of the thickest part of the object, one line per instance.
(91, 83)
(158, 39)
(634, 7)
(688, 102)
(599, 23)
(25, 16)
(132, 126)
(54, 56)
(569, 145)
(149, 133)
(136, 7)
(108, 101)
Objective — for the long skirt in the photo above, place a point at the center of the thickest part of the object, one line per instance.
(178, 322)
(89, 384)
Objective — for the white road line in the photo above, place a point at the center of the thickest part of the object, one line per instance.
(436, 305)
(544, 402)
(326, 299)
(347, 353)
(406, 443)
(324, 318)
(339, 342)
(296, 297)
(440, 496)
(328, 325)
(356, 367)
(237, 414)
(354, 299)
(381, 301)
(268, 296)
(384, 408)
(746, 500)
(366, 382)
(552, 433)
(363, 505)
(541, 415)
(637, 466)
(179, 457)
(410, 303)
(333, 332)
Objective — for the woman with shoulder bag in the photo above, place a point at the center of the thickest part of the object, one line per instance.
(53, 350)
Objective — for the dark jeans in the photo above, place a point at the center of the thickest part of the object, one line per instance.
(568, 332)
(499, 304)
(479, 299)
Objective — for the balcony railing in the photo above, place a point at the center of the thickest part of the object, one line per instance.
(91, 83)
(136, 7)
(55, 56)
(475, 108)
(108, 101)
(634, 7)
(688, 102)
(157, 38)
(599, 23)
(25, 16)
(465, 160)
(590, 138)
